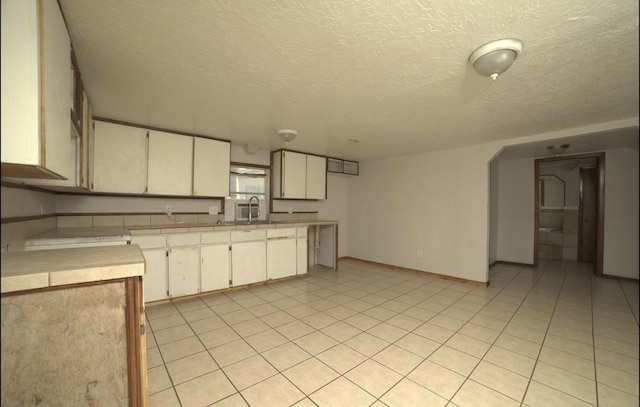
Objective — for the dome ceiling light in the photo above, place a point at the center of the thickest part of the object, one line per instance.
(287, 135)
(494, 58)
(559, 149)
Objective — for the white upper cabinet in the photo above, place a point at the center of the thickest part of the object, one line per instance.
(299, 176)
(294, 175)
(170, 163)
(119, 158)
(211, 161)
(316, 177)
(35, 88)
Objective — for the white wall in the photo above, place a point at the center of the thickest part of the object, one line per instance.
(437, 203)
(516, 210)
(18, 203)
(66, 204)
(621, 213)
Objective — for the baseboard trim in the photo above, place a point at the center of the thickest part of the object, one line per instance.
(512, 263)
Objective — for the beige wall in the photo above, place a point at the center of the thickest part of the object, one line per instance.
(435, 203)
(621, 213)
(516, 210)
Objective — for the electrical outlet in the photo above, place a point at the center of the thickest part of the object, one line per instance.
(213, 210)
(420, 253)
(168, 210)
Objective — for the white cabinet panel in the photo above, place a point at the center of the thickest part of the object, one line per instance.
(184, 271)
(316, 181)
(294, 175)
(214, 237)
(248, 235)
(170, 163)
(36, 91)
(281, 258)
(248, 262)
(183, 239)
(215, 267)
(155, 277)
(119, 158)
(211, 161)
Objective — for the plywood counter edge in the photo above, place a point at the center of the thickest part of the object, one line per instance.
(49, 268)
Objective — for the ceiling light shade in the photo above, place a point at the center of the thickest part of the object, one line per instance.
(287, 135)
(250, 148)
(559, 149)
(494, 58)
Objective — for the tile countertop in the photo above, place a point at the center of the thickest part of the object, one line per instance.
(208, 227)
(28, 270)
(119, 233)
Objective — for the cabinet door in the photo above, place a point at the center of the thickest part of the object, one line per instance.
(316, 177)
(184, 271)
(281, 258)
(214, 267)
(119, 158)
(170, 163)
(294, 175)
(211, 160)
(248, 263)
(155, 276)
(36, 91)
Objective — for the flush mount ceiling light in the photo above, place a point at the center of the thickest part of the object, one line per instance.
(287, 135)
(494, 58)
(250, 148)
(559, 149)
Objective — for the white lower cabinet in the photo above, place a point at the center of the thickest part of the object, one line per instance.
(184, 271)
(215, 261)
(184, 264)
(248, 257)
(155, 278)
(281, 253)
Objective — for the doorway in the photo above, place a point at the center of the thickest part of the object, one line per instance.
(569, 215)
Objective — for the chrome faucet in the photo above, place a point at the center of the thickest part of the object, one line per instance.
(250, 211)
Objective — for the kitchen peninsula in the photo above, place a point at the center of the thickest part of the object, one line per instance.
(73, 327)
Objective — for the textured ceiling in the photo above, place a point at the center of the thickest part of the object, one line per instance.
(392, 74)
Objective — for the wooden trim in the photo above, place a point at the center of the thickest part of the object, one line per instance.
(536, 212)
(240, 164)
(599, 262)
(43, 93)
(181, 133)
(134, 332)
(27, 171)
(419, 272)
(512, 263)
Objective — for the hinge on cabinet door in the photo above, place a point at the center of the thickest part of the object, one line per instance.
(166, 253)
(142, 330)
(229, 247)
(230, 282)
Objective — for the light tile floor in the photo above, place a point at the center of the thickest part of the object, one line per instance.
(373, 336)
